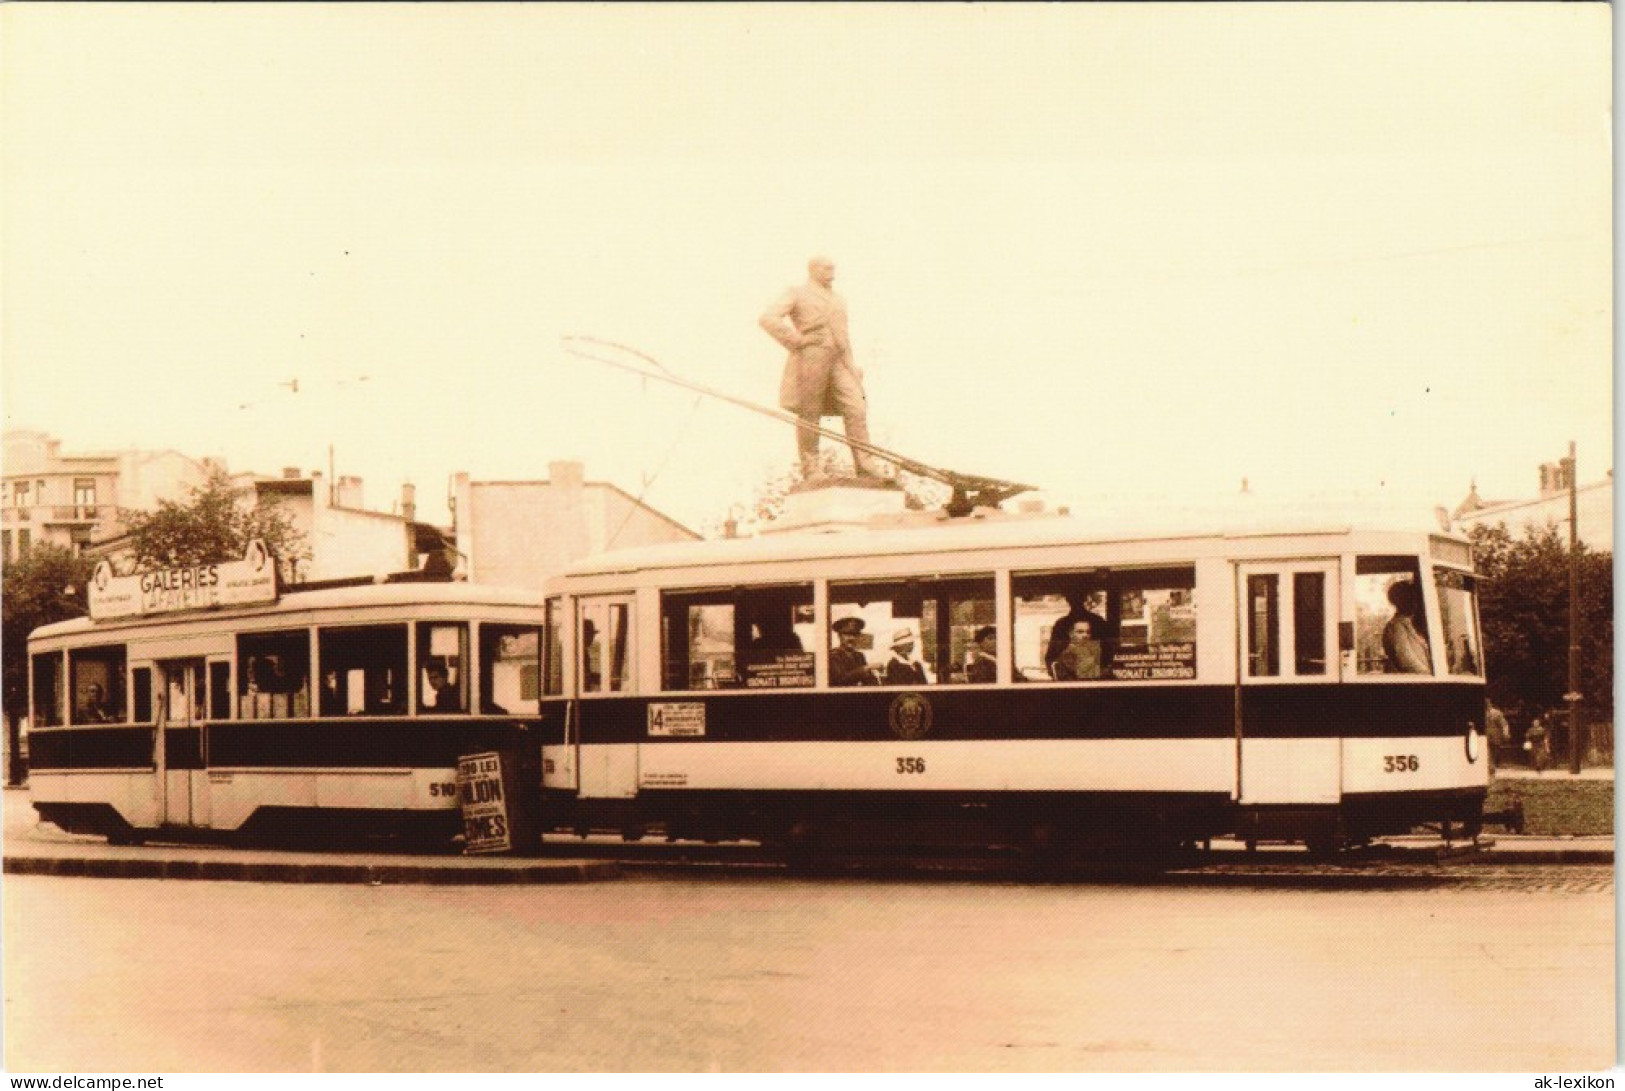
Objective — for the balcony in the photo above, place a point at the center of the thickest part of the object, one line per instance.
(77, 514)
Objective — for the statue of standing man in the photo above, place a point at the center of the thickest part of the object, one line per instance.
(820, 379)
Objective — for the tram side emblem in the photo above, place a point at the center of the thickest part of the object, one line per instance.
(910, 716)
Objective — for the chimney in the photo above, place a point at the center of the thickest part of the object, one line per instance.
(409, 502)
(566, 475)
(349, 493)
(291, 473)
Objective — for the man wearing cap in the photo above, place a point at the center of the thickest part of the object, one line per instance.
(847, 664)
(901, 669)
(820, 379)
(984, 667)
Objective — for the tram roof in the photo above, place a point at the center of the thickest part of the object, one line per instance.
(998, 530)
(295, 600)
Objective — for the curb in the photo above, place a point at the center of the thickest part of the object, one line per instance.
(280, 871)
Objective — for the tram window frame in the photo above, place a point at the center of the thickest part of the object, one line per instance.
(1124, 607)
(941, 612)
(1457, 594)
(48, 675)
(362, 670)
(141, 695)
(273, 675)
(104, 665)
(751, 626)
(432, 651)
(219, 689)
(605, 665)
(491, 637)
(553, 658)
(1374, 577)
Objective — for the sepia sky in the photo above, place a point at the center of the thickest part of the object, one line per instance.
(1135, 250)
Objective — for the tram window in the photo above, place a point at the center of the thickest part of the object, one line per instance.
(510, 669)
(220, 691)
(1458, 621)
(1309, 623)
(914, 631)
(553, 676)
(363, 670)
(1391, 633)
(442, 667)
(141, 691)
(48, 690)
(745, 638)
(605, 645)
(273, 675)
(1133, 625)
(96, 682)
(1263, 626)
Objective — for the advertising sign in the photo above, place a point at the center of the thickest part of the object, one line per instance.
(1156, 661)
(246, 582)
(677, 719)
(484, 801)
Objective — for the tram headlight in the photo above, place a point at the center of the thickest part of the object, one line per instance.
(1475, 742)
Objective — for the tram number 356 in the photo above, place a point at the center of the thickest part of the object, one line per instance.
(911, 765)
(1400, 763)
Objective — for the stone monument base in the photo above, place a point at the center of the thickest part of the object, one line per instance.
(837, 503)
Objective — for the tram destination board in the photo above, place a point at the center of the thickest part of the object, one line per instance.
(484, 800)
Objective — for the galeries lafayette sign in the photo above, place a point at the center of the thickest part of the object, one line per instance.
(194, 587)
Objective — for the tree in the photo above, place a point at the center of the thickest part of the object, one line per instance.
(213, 524)
(1524, 607)
(47, 584)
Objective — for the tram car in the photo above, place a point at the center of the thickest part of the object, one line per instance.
(192, 708)
(1040, 681)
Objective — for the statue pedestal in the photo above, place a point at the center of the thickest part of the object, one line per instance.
(837, 503)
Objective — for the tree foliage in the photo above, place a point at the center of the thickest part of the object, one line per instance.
(47, 584)
(1524, 607)
(213, 524)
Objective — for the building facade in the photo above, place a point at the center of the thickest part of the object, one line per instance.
(520, 533)
(72, 500)
(1549, 507)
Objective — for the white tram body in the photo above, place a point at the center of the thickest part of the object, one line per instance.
(310, 714)
(1223, 683)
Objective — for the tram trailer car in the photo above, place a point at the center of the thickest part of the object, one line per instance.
(1052, 685)
(329, 712)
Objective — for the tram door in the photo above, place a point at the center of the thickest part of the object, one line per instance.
(1287, 661)
(182, 707)
(605, 668)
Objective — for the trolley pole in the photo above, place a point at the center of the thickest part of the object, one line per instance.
(1576, 713)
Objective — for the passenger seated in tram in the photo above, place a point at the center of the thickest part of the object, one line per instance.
(1081, 659)
(441, 695)
(902, 669)
(984, 664)
(1404, 645)
(1078, 624)
(95, 709)
(848, 666)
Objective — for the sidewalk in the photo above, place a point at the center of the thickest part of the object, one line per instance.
(32, 847)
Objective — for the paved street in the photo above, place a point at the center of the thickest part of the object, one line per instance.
(746, 972)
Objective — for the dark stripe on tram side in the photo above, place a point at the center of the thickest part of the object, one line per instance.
(380, 744)
(121, 747)
(183, 747)
(385, 744)
(1039, 712)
